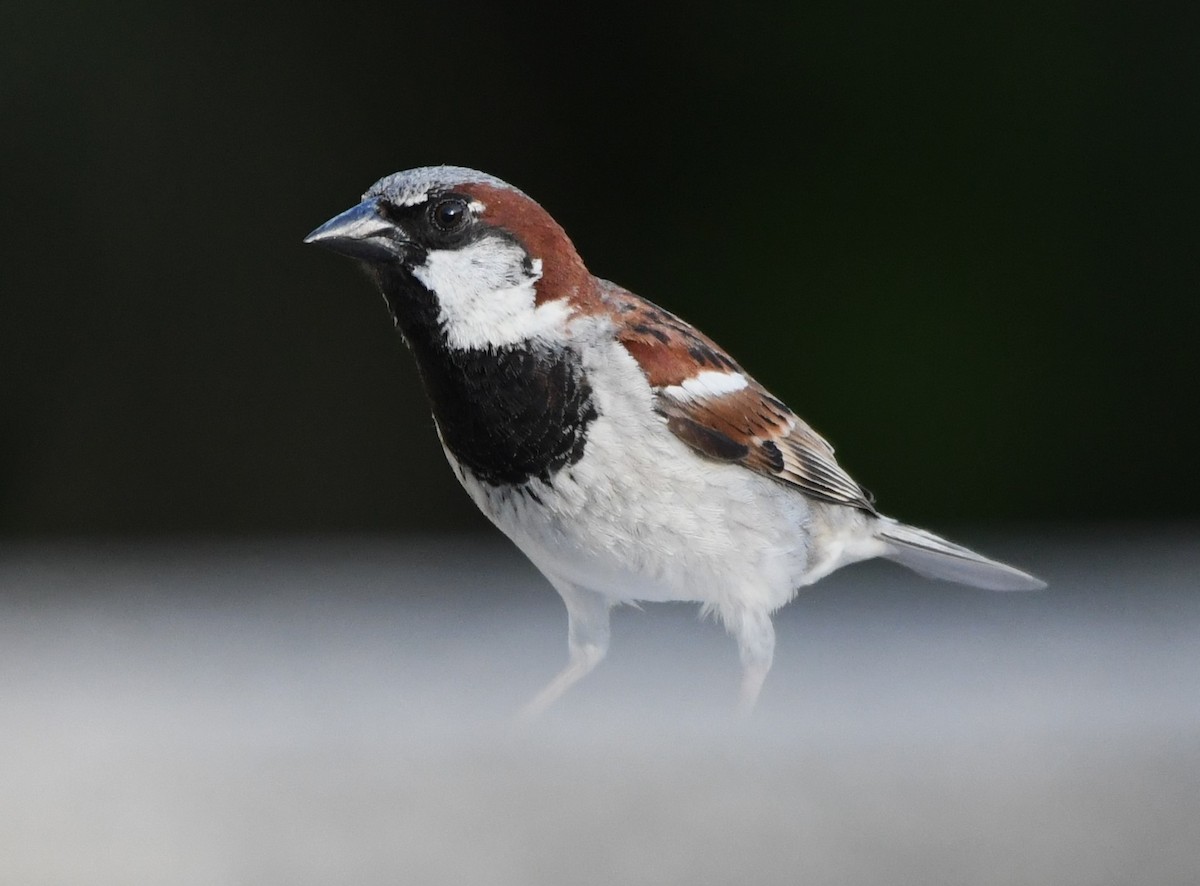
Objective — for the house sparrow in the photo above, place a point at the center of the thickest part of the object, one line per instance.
(623, 451)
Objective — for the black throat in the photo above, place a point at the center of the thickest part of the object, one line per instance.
(509, 414)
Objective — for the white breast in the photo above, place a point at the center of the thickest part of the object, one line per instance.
(641, 516)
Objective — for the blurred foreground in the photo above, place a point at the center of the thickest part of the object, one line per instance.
(337, 712)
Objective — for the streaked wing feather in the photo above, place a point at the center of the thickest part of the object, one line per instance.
(747, 426)
(726, 429)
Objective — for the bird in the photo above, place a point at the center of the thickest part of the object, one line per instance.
(625, 453)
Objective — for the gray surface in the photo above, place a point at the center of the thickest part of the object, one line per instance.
(336, 712)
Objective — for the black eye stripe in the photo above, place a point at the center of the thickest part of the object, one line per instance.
(393, 213)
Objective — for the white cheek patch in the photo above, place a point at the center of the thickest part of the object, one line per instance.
(486, 297)
(706, 384)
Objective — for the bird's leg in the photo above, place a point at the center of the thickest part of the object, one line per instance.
(755, 637)
(587, 643)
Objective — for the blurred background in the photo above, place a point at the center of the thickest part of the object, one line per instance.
(251, 630)
(959, 239)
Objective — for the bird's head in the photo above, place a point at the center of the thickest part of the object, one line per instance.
(463, 251)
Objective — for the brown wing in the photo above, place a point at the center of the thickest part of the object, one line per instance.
(716, 408)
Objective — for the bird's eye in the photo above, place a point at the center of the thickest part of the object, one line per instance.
(449, 215)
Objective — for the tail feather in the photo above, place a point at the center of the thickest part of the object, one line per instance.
(934, 557)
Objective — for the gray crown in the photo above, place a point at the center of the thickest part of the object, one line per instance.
(414, 185)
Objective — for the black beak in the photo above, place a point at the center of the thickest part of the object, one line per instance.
(362, 233)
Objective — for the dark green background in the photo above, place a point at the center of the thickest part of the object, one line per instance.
(960, 239)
